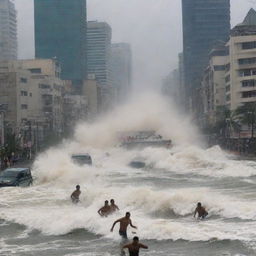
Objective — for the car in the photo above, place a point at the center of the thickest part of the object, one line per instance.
(82, 159)
(16, 177)
(137, 163)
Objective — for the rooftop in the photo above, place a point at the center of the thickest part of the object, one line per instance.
(247, 27)
(250, 19)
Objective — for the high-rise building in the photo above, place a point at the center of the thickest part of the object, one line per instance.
(204, 23)
(99, 59)
(60, 32)
(121, 66)
(99, 51)
(8, 31)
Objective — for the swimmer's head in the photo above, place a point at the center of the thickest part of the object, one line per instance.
(199, 204)
(77, 187)
(127, 215)
(135, 239)
(112, 201)
(106, 202)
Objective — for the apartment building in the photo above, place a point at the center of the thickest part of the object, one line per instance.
(213, 85)
(240, 77)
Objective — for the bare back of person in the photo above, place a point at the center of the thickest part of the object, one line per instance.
(201, 211)
(134, 247)
(76, 194)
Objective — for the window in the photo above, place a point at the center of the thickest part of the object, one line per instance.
(30, 94)
(248, 83)
(219, 67)
(23, 80)
(227, 88)
(247, 72)
(44, 86)
(228, 97)
(249, 94)
(24, 106)
(24, 93)
(227, 78)
(35, 70)
(247, 61)
(249, 45)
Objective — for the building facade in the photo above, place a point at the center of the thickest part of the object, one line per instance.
(8, 31)
(99, 59)
(91, 90)
(121, 66)
(32, 94)
(241, 66)
(204, 23)
(60, 32)
(213, 85)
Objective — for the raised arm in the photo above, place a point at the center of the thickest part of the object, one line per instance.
(143, 246)
(132, 225)
(126, 246)
(114, 225)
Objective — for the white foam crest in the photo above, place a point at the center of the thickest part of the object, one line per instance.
(145, 112)
(51, 212)
(195, 160)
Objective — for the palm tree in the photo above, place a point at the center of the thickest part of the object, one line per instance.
(246, 114)
(226, 120)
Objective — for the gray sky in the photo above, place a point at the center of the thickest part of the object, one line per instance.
(152, 27)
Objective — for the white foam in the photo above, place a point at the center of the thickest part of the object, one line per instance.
(46, 206)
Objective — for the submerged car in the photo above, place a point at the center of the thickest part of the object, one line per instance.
(82, 159)
(16, 177)
(137, 163)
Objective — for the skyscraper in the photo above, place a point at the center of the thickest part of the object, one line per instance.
(8, 31)
(204, 23)
(98, 59)
(121, 66)
(60, 31)
(99, 51)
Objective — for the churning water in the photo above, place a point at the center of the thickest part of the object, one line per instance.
(41, 220)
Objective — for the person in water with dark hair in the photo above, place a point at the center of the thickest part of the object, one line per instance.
(200, 210)
(75, 195)
(124, 222)
(134, 247)
(113, 206)
(105, 210)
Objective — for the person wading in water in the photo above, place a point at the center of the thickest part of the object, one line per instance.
(124, 222)
(75, 195)
(134, 247)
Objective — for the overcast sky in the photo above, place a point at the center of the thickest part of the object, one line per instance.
(152, 27)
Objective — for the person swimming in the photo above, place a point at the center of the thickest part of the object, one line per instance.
(134, 247)
(75, 195)
(105, 210)
(113, 206)
(202, 213)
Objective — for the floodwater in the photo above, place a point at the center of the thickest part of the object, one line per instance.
(40, 220)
